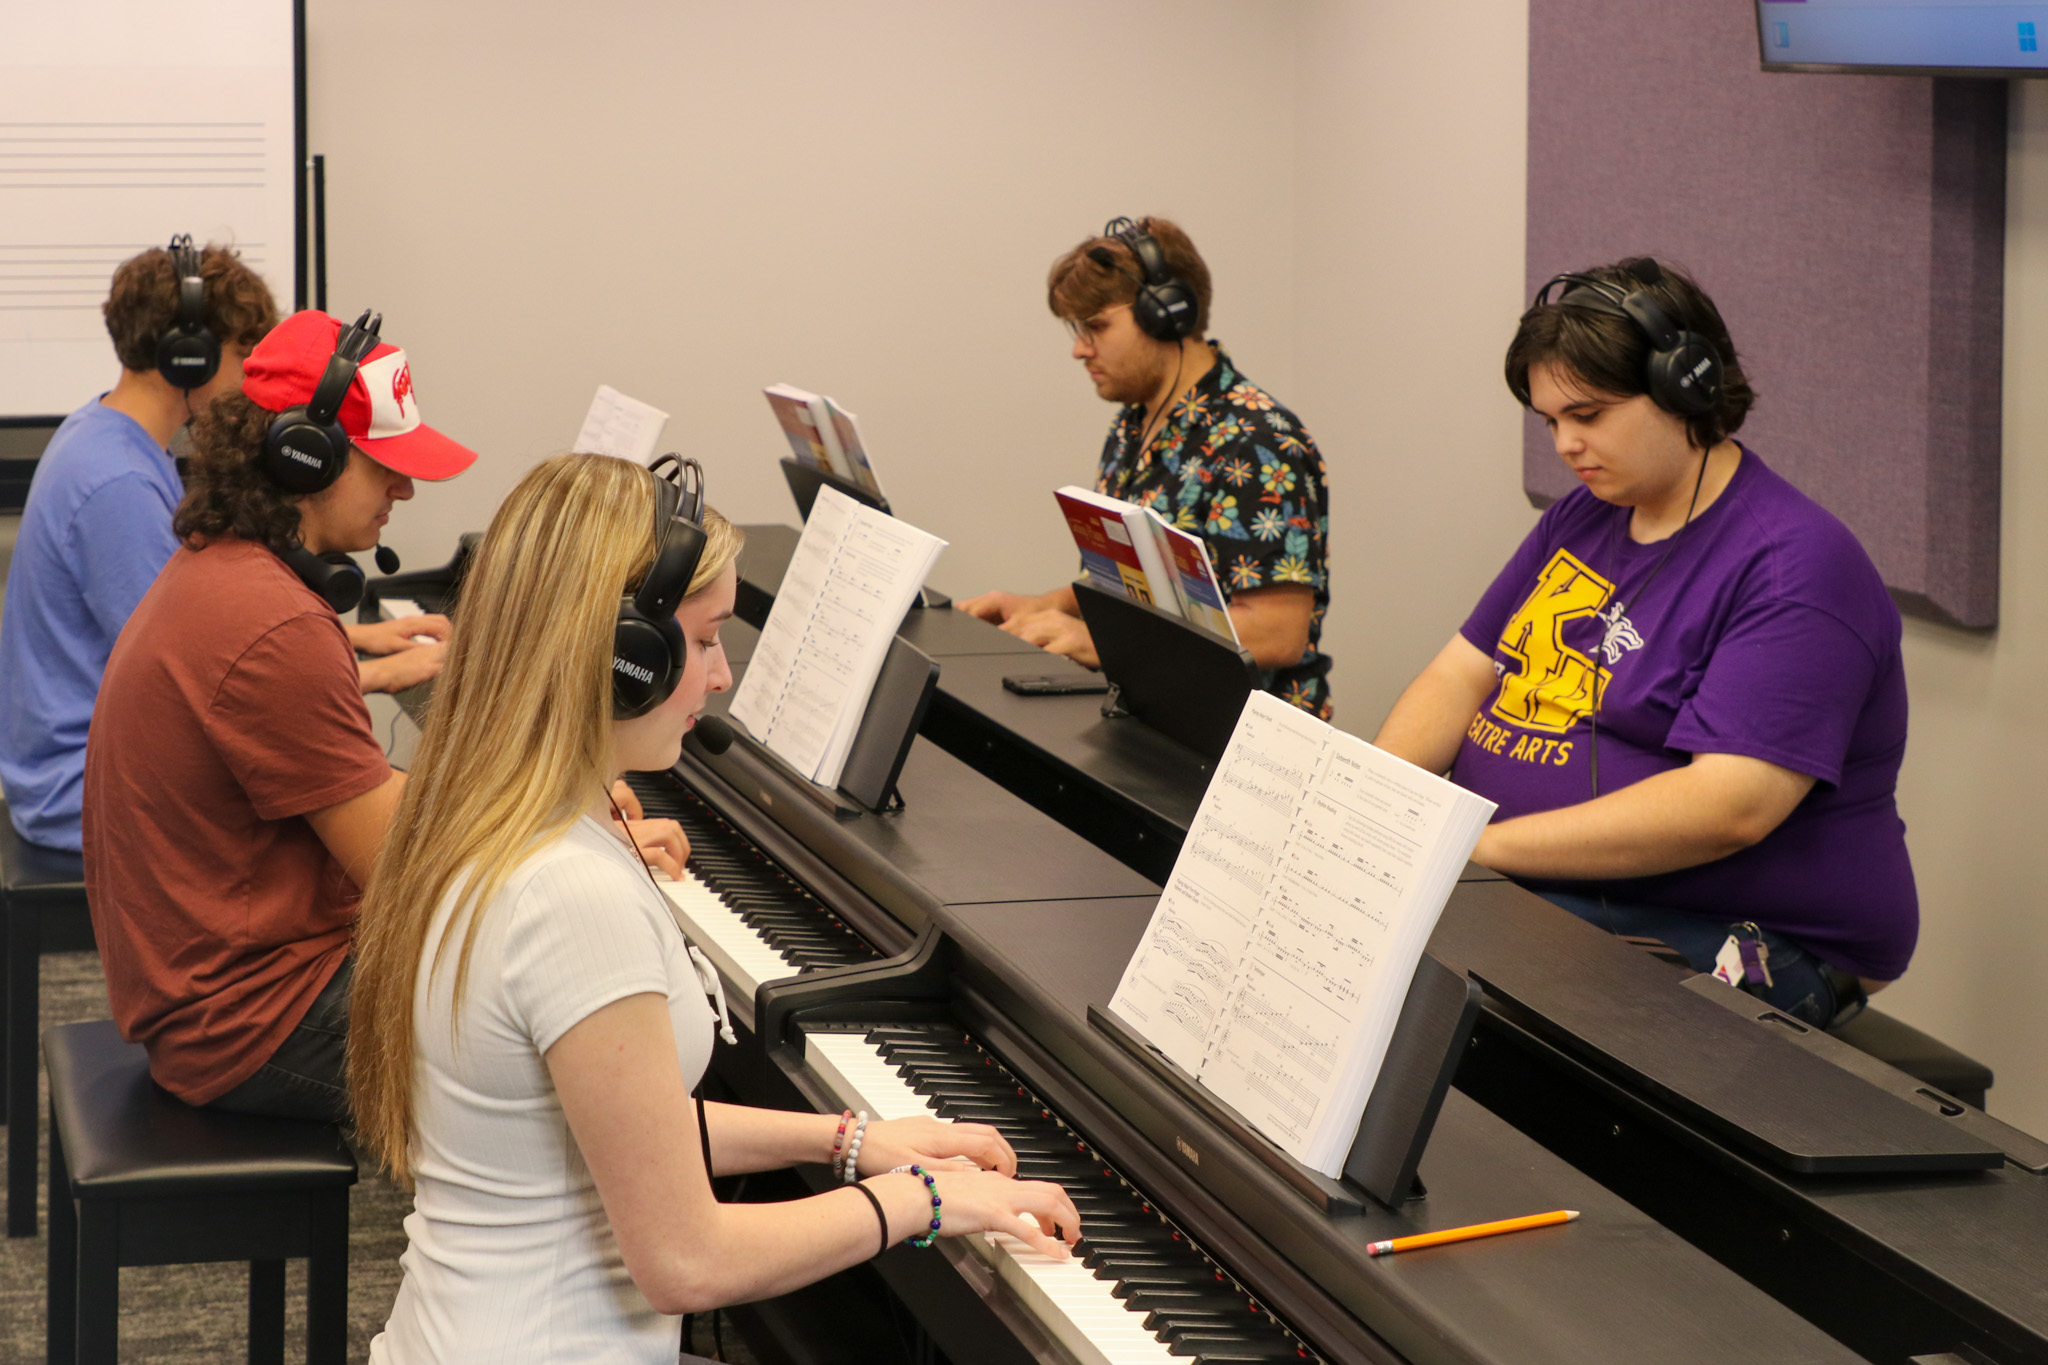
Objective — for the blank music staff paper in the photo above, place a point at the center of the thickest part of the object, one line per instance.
(1278, 957)
(122, 122)
(854, 575)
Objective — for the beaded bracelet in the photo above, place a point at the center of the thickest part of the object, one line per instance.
(860, 1133)
(931, 1186)
(838, 1166)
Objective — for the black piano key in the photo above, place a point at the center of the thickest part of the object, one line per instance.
(1181, 1300)
(1128, 1277)
(1171, 1325)
(1222, 1347)
(1183, 1262)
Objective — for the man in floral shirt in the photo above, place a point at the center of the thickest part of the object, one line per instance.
(1204, 447)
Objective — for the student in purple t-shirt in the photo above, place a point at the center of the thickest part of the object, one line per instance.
(1685, 689)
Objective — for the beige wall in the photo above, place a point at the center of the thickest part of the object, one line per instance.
(692, 201)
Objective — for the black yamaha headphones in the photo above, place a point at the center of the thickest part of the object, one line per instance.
(188, 355)
(1165, 308)
(1683, 372)
(648, 649)
(305, 450)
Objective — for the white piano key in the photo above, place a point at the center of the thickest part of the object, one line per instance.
(735, 947)
(1078, 1309)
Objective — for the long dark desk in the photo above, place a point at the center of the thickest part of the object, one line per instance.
(1897, 1265)
(1036, 923)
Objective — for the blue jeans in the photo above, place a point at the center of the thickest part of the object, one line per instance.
(1802, 986)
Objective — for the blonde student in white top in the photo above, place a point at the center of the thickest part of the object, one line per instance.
(528, 1023)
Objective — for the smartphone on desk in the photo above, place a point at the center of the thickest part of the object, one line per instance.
(1044, 685)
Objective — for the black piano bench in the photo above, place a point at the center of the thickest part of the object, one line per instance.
(1926, 1059)
(42, 910)
(138, 1177)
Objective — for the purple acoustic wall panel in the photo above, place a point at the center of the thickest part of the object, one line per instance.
(1852, 230)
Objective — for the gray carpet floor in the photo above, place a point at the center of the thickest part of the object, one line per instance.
(198, 1314)
(180, 1314)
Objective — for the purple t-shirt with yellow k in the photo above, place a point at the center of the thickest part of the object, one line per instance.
(1768, 634)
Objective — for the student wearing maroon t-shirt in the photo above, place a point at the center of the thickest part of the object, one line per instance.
(1685, 688)
(234, 794)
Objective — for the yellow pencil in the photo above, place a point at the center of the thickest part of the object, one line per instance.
(1432, 1239)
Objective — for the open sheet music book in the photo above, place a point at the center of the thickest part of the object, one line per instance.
(1130, 549)
(1276, 963)
(823, 435)
(855, 573)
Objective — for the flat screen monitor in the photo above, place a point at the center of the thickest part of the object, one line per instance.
(1916, 37)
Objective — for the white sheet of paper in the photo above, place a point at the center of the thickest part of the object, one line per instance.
(1308, 886)
(1176, 981)
(854, 574)
(621, 425)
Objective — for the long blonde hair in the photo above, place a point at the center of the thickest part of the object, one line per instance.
(517, 745)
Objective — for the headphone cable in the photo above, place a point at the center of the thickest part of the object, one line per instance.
(1607, 636)
(1166, 404)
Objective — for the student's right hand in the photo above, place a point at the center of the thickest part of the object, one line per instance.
(407, 668)
(1036, 1212)
(998, 607)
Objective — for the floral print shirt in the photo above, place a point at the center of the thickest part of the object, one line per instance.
(1234, 467)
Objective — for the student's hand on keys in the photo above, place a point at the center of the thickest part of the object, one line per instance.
(1056, 633)
(661, 843)
(408, 667)
(1035, 1212)
(395, 636)
(624, 798)
(935, 1144)
(999, 606)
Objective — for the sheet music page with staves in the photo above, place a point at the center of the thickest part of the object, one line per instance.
(1327, 931)
(1184, 967)
(854, 574)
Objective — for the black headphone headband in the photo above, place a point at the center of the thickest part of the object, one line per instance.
(305, 449)
(1682, 373)
(1165, 309)
(188, 353)
(648, 649)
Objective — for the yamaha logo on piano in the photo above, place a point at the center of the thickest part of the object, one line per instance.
(1187, 1151)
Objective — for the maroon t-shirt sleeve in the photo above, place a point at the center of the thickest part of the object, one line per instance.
(1786, 684)
(290, 724)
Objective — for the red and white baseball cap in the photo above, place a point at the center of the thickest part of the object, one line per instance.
(380, 412)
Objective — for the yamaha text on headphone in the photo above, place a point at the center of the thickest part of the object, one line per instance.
(1165, 307)
(305, 450)
(188, 354)
(648, 649)
(1683, 372)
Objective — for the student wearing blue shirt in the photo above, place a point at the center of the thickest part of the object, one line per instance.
(97, 526)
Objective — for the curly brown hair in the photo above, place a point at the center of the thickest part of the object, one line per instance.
(226, 491)
(143, 301)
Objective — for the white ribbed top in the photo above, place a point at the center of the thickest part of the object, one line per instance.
(510, 1255)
